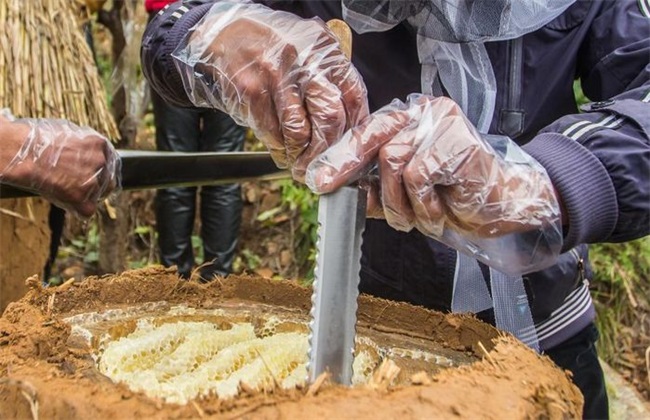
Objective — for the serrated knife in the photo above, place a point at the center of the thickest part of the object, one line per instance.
(341, 221)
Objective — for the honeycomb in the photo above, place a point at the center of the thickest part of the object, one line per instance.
(184, 354)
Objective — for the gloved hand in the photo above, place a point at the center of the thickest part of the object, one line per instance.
(69, 165)
(283, 76)
(439, 175)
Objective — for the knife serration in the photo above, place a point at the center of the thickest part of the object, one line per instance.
(341, 221)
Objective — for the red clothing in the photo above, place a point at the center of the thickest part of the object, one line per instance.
(155, 5)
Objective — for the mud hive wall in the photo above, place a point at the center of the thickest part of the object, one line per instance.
(46, 365)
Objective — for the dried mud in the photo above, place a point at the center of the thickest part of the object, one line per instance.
(24, 236)
(42, 375)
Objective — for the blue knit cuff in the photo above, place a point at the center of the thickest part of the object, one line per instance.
(583, 184)
(163, 35)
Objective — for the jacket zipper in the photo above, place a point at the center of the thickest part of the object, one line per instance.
(511, 116)
(580, 263)
(515, 52)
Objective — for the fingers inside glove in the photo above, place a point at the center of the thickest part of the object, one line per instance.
(353, 93)
(294, 123)
(374, 207)
(393, 158)
(439, 148)
(358, 147)
(328, 122)
(261, 114)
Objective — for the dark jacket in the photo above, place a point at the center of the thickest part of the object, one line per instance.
(598, 159)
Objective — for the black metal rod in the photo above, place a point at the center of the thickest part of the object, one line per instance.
(154, 169)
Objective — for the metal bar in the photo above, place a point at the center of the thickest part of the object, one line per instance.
(154, 169)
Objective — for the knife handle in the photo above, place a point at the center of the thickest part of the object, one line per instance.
(343, 34)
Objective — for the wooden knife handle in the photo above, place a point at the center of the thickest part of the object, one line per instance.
(343, 34)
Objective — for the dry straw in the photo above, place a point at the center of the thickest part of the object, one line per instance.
(46, 67)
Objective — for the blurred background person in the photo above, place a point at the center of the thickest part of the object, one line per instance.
(196, 130)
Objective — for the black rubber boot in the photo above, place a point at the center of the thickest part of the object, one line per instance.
(220, 231)
(175, 208)
(221, 205)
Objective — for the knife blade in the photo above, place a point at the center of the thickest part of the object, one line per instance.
(143, 169)
(341, 221)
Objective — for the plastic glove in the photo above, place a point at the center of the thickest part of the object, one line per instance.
(283, 76)
(437, 174)
(69, 165)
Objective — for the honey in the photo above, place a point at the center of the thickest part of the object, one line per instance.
(180, 353)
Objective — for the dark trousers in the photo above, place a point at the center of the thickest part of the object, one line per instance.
(56, 222)
(197, 130)
(578, 355)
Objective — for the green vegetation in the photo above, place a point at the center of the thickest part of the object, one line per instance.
(298, 198)
(579, 94)
(84, 250)
(622, 295)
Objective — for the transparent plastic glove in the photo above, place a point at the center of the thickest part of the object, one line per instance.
(72, 166)
(483, 196)
(283, 76)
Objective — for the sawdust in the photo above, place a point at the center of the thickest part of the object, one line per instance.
(42, 375)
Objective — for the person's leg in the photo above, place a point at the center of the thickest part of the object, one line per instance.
(221, 205)
(56, 221)
(578, 355)
(177, 129)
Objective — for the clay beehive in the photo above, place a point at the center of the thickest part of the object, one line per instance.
(150, 345)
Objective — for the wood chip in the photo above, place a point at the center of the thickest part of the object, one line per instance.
(245, 388)
(420, 378)
(265, 272)
(318, 383)
(66, 285)
(383, 377)
(50, 303)
(198, 409)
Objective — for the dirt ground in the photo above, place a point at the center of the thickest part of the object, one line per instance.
(42, 375)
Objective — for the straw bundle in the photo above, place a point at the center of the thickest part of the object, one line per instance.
(46, 70)
(46, 67)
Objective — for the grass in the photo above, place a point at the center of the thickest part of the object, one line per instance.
(621, 292)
